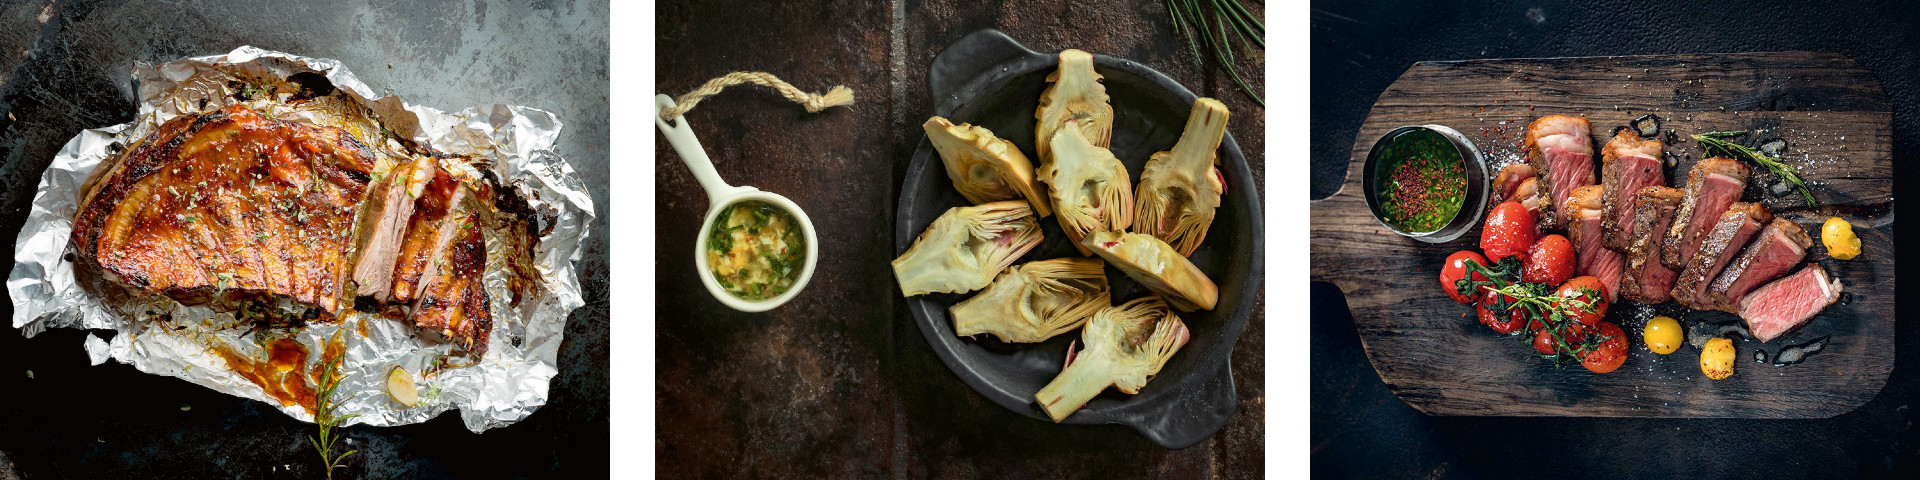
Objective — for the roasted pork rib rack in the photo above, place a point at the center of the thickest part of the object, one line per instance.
(234, 209)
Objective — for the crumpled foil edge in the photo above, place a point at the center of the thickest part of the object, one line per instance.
(505, 386)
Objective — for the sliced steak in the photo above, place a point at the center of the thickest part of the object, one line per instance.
(1592, 257)
(1559, 148)
(1773, 253)
(1520, 183)
(1787, 303)
(1627, 164)
(1646, 279)
(1712, 186)
(1717, 247)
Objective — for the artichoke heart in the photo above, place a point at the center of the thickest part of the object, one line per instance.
(1125, 347)
(983, 167)
(1180, 188)
(966, 246)
(1074, 93)
(1090, 189)
(1036, 301)
(1157, 266)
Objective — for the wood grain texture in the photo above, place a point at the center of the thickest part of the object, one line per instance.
(1433, 354)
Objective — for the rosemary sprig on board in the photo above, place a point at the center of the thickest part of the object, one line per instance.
(1712, 141)
(323, 407)
(1214, 21)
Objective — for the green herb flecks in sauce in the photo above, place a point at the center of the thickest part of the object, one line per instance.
(1421, 182)
(755, 250)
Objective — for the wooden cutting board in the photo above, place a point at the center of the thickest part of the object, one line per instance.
(1433, 353)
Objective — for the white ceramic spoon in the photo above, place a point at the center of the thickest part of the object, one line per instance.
(719, 195)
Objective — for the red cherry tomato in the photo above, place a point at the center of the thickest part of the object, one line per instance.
(1508, 232)
(1543, 338)
(1549, 261)
(1589, 288)
(1455, 269)
(1513, 319)
(1611, 353)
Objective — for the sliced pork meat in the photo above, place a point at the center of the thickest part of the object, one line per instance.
(1712, 186)
(390, 207)
(1627, 164)
(1592, 257)
(1646, 279)
(1773, 253)
(438, 215)
(1787, 303)
(1559, 148)
(1717, 247)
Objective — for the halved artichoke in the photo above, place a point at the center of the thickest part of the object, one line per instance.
(1125, 347)
(1157, 266)
(1033, 302)
(1075, 94)
(983, 167)
(1180, 188)
(966, 246)
(1090, 189)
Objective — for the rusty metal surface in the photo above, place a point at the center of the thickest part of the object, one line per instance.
(839, 382)
(64, 67)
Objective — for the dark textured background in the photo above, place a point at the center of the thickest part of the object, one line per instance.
(839, 382)
(64, 67)
(1361, 430)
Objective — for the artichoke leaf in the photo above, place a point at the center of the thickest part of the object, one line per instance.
(1090, 189)
(984, 168)
(1125, 347)
(1180, 188)
(1033, 302)
(1157, 266)
(1073, 93)
(966, 246)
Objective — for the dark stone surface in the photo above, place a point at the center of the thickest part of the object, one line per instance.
(64, 67)
(839, 382)
(1361, 430)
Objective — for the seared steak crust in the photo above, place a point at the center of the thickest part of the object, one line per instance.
(1772, 253)
(1647, 280)
(1717, 246)
(1627, 165)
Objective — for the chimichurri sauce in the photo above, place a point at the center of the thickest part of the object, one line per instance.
(1421, 182)
(755, 250)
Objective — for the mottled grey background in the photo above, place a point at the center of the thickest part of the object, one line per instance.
(64, 67)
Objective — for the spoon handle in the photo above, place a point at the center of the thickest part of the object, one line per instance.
(680, 135)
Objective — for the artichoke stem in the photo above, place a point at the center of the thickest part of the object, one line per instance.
(1076, 385)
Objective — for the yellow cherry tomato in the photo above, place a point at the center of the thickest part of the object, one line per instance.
(1662, 335)
(1716, 359)
(1838, 236)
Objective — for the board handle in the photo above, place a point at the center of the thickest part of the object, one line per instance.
(971, 57)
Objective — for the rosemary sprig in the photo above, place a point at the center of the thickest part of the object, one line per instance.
(1712, 141)
(1213, 21)
(323, 407)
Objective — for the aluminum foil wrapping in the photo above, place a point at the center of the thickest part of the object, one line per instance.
(506, 385)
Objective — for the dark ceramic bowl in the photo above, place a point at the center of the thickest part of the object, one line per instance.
(989, 80)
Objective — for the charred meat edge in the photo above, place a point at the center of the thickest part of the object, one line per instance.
(1741, 222)
(1655, 210)
(1747, 276)
(1623, 180)
(1681, 233)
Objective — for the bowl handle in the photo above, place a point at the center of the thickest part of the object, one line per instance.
(1194, 415)
(968, 58)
